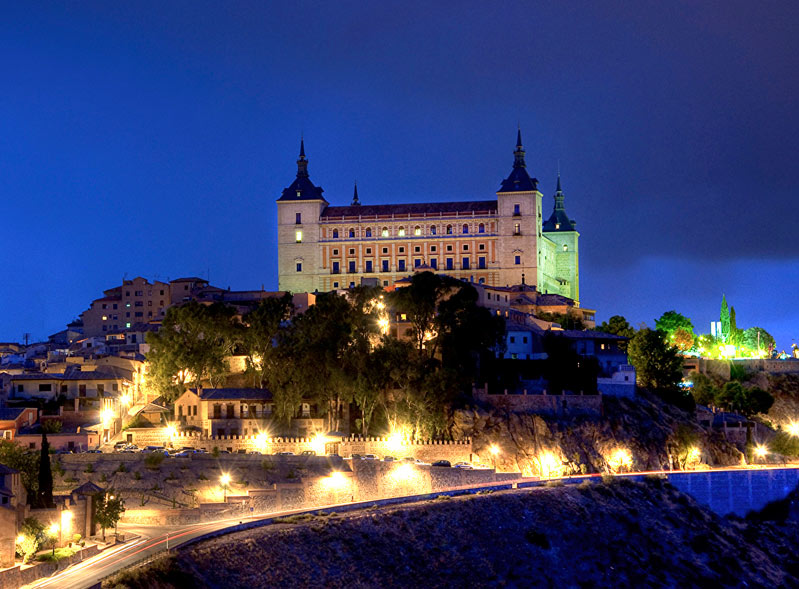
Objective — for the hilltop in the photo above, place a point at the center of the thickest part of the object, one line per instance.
(613, 534)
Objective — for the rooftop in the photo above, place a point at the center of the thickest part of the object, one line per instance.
(244, 394)
(423, 209)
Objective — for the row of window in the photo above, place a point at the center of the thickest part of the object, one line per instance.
(385, 265)
(48, 388)
(140, 293)
(115, 306)
(417, 231)
(416, 249)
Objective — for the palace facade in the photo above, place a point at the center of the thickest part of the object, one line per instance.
(498, 242)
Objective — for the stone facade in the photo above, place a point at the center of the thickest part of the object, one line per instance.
(495, 242)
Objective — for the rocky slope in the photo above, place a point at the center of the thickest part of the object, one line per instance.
(647, 427)
(608, 534)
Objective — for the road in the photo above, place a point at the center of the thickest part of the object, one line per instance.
(154, 539)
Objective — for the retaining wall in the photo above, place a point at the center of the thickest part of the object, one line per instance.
(543, 403)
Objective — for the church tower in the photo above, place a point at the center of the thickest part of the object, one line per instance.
(562, 231)
(519, 210)
(298, 212)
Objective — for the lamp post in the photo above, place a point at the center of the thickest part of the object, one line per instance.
(494, 449)
(54, 529)
(224, 480)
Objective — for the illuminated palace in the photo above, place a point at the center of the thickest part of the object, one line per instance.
(498, 242)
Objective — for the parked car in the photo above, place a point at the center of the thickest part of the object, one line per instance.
(463, 465)
(442, 463)
(120, 445)
(356, 457)
(95, 451)
(369, 457)
(308, 453)
(412, 460)
(183, 454)
(201, 451)
(285, 454)
(389, 459)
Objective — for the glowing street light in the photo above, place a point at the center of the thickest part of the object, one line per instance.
(171, 430)
(225, 481)
(761, 451)
(53, 532)
(20, 539)
(125, 399)
(619, 459)
(793, 428)
(260, 441)
(318, 444)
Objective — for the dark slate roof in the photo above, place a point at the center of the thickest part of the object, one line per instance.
(430, 208)
(88, 488)
(559, 220)
(519, 180)
(235, 394)
(11, 413)
(302, 188)
(544, 300)
(189, 279)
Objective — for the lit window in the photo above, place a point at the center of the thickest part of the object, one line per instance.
(432, 230)
(401, 232)
(384, 232)
(105, 318)
(517, 229)
(449, 229)
(417, 230)
(298, 236)
(127, 325)
(565, 247)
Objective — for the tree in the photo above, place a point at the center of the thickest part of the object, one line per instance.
(110, 507)
(658, 366)
(26, 462)
(565, 320)
(617, 325)
(45, 493)
(258, 339)
(671, 321)
(682, 339)
(31, 536)
(191, 347)
(785, 444)
(705, 391)
(748, 402)
(758, 339)
(724, 319)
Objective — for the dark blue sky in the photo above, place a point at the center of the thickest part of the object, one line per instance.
(153, 139)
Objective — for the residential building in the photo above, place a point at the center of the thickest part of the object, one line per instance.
(497, 242)
(13, 419)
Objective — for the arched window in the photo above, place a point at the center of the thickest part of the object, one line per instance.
(352, 232)
(449, 229)
(417, 230)
(384, 232)
(565, 247)
(335, 233)
(368, 232)
(481, 228)
(465, 228)
(432, 229)
(401, 232)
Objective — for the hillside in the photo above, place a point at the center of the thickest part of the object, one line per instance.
(645, 426)
(613, 534)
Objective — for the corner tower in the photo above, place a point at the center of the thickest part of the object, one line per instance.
(562, 231)
(519, 211)
(298, 211)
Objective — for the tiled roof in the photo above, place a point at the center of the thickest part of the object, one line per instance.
(428, 208)
(189, 279)
(588, 334)
(248, 394)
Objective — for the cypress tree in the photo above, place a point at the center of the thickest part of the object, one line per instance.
(45, 475)
(725, 320)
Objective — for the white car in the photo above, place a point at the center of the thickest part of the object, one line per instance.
(463, 465)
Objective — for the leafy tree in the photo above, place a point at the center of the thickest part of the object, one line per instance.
(705, 391)
(26, 462)
(671, 321)
(32, 535)
(757, 338)
(658, 366)
(45, 492)
(748, 402)
(785, 444)
(617, 325)
(684, 444)
(565, 320)
(262, 327)
(52, 426)
(682, 339)
(191, 347)
(110, 507)
(419, 302)
(724, 319)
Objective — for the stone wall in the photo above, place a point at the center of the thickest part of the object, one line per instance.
(427, 451)
(737, 491)
(544, 403)
(722, 367)
(17, 576)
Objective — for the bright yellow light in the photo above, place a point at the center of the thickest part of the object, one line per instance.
(224, 480)
(694, 454)
(171, 430)
(494, 449)
(394, 442)
(548, 465)
(53, 529)
(382, 323)
(403, 472)
(125, 399)
(260, 441)
(793, 428)
(620, 458)
(318, 444)
(336, 480)
(107, 415)
(20, 539)
(760, 451)
(66, 518)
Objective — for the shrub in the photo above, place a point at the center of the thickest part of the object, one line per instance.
(121, 468)
(215, 452)
(89, 468)
(154, 460)
(137, 475)
(554, 484)
(267, 465)
(103, 478)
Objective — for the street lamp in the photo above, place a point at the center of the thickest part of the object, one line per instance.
(53, 531)
(494, 449)
(761, 451)
(224, 479)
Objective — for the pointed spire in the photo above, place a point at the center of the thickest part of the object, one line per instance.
(302, 163)
(518, 155)
(355, 201)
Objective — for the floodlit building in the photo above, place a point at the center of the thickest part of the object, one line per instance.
(498, 242)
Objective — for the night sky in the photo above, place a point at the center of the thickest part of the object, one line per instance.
(153, 139)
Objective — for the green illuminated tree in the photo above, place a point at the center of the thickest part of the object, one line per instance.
(682, 339)
(785, 444)
(757, 339)
(617, 325)
(705, 391)
(724, 318)
(671, 321)
(26, 462)
(110, 507)
(748, 402)
(32, 534)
